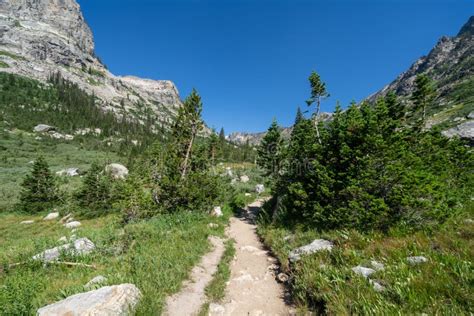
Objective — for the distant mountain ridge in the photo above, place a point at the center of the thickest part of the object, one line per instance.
(451, 64)
(41, 37)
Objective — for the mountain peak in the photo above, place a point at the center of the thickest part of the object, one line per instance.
(468, 28)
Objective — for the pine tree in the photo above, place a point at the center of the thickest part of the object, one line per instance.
(269, 151)
(188, 124)
(318, 92)
(95, 194)
(423, 96)
(39, 188)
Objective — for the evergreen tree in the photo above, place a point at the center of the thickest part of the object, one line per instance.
(188, 124)
(270, 150)
(318, 92)
(423, 96)
(39, 188)
(95, 195)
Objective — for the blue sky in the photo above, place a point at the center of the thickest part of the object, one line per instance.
(250, 60)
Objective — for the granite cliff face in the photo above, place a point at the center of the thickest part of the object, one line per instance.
(41, 37)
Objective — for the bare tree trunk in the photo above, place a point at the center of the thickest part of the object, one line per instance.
(188, 154)
(317, 121)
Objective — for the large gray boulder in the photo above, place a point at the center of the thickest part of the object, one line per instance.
(107, 301)
(315, 246)
(363, 271)
(464, 130)
(117, 171)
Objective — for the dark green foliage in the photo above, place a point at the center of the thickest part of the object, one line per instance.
(39, 189)
(269, 152)
(95, 195)
(423, 97)
(370, 172)
(175, 175)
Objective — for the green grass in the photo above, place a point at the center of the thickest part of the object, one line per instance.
(19, 148)
(3, 64)
(155, 255)
(324, 282)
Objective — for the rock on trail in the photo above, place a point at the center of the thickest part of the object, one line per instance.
(252, 288)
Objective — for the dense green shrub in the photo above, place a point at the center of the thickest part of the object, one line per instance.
(40, 190)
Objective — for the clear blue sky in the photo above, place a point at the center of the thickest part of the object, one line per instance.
(250, 60)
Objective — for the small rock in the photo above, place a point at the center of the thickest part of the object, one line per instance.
(282, 277)
(468, 221)
(377, 286)
(289, 237)
(248, 194)
(259, 188)
(27, 222)
(244, 179)
(63, 239)
(212, 225)
(65, 218)
(108, 300)
(117, 171)
(217, 212)
(43, 128)
(471, 115)
(377, 265)
(365, 272)
(69, 172)
(72, 224)
(273, 267)
(51, 216)
(416, 260)
(228, 172)
(315, 246)
(95, 281)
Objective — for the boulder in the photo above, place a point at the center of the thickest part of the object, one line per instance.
(217, 211)
(315, 246)
(43, 128)
(72, 224)
(464, 130)
(51, 216)
(108, 301)
(52, 254)
(100, 279)
(212, 225)
(377, 286)
(244, 179)
(471, 115)
(365, 272)
(248, 194)
(83, 246)
(416, 260)
(70, 172)
(117, 171)
(259, 188)
(27, 222)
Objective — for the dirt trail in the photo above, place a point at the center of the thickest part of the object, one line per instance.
(190, 299)
(252, 288)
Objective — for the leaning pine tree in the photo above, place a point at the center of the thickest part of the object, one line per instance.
(39, 188)
(318, 92)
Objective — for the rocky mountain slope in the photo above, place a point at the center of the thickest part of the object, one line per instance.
(451, 65)
(42, 37)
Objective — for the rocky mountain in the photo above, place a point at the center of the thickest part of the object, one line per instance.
(241, 138)
(42, 37)
(451, 65)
